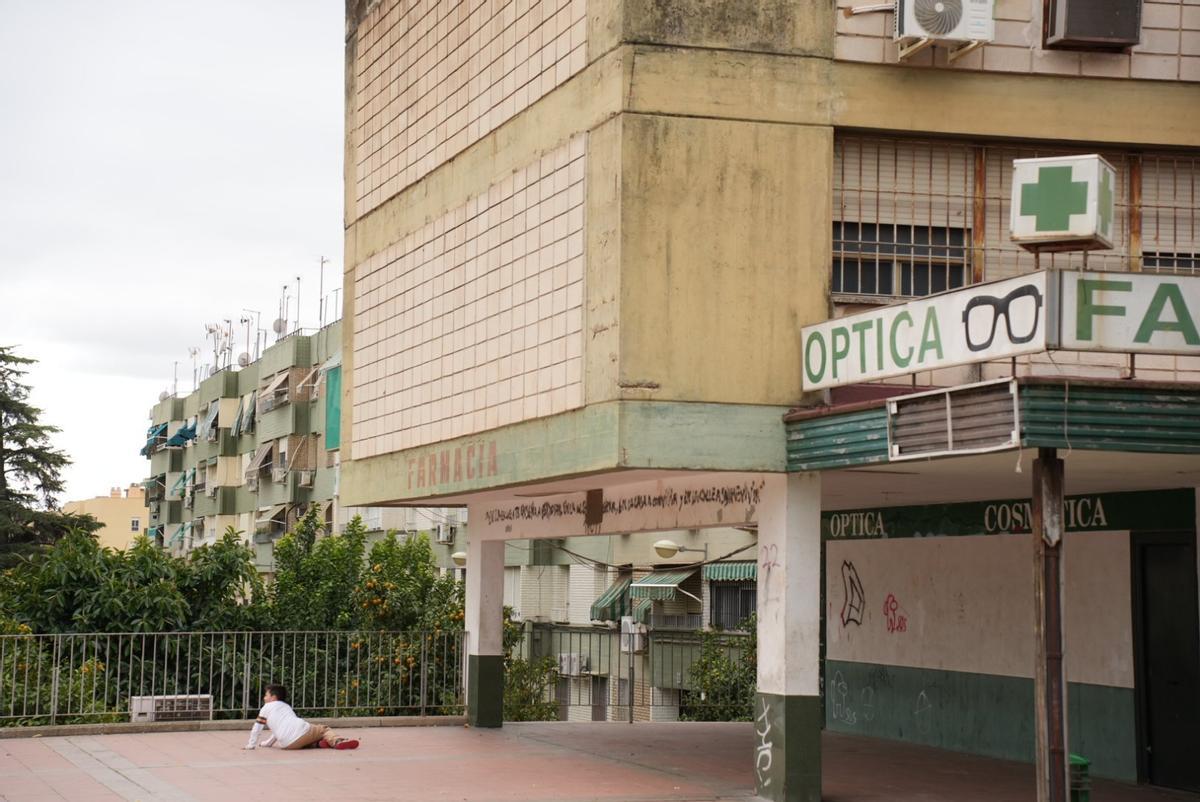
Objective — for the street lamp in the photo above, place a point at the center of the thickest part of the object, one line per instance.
(459, 558)
(669, 548)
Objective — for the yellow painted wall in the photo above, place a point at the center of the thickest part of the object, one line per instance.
(724, 256)
(116, 514)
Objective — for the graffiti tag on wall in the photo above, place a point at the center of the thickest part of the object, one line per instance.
(854, 598)
(763, 757)
(896, 620)
(748, 494)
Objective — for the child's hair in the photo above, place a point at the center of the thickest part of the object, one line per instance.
(278, 691)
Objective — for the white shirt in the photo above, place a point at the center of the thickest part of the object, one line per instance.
(286, 727)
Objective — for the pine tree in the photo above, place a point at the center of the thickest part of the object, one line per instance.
(30, 469)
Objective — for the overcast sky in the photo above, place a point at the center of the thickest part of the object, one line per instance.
(163, 164)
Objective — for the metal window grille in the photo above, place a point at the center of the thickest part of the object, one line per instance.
(902, 218)
(1170, 212)
(915, 217)
(732, 603)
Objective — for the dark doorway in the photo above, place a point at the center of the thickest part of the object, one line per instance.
(1167, 657)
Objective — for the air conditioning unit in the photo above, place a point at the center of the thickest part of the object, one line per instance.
(210, 490)
(559, 615)
(445, 533)
(307, 477)
(572, 664)
(633, 636)
(180, 707)
(946, 20)
(279, 474)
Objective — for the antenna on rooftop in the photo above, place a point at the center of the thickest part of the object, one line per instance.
(257, 328)
(321, 295)
(194, 353)
(280, 324)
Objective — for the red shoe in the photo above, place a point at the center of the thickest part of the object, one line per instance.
(323, 744)
(348, 743)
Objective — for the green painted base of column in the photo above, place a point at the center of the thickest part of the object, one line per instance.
(485, 690)
(787, 747)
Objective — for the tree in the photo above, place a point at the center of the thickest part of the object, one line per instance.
(30, 469)
(315, 578)
(723, 677)
(221, 587)
(401, 589)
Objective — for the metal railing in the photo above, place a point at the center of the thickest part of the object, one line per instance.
(654, 676)
(91, 677)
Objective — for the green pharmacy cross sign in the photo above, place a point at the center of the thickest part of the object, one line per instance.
(1062, 203)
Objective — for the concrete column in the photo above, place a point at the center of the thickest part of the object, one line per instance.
(788, 723)
(485, 631)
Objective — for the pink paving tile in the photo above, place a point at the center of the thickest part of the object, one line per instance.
(548, 762)
(34, 754)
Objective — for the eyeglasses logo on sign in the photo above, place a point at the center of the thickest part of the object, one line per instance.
(1021, 310)
(954, 328)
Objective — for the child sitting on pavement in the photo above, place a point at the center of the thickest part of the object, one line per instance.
(289, 730)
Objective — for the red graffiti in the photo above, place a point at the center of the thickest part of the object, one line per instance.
(896, 621)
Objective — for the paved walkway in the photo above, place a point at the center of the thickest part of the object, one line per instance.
(527, 762)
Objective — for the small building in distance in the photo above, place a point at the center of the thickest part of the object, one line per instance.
(122, 515)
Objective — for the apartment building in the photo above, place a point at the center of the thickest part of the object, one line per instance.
(122, 515)
(585, 240)
(254, 447)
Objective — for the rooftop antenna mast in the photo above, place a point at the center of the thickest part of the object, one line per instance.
(280, 324)
(175, 379)
(214, 332)
(321, 294)
(257, 328)
(227, 342)
(194, 353)
(298, 331)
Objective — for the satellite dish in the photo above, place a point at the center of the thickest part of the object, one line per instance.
(243, 359)
(212, 370)
(164, 395)
(279, 326)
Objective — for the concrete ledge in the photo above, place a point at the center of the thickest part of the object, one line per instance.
(137, 728)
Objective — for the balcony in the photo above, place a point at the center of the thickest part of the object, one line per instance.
(283, 421)
(221, 501)
(167, 460)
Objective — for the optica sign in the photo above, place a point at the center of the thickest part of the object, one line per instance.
(1067, 310)
(987, 321)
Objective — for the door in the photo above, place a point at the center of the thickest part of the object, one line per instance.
(1167, 657)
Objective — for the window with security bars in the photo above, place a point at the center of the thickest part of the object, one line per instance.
(914, 217)
(1170, 213)
(732, 603)
(902, 218)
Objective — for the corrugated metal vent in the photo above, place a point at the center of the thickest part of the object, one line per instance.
(963, 420)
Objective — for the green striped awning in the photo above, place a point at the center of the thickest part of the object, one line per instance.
(731, 572)
(641, 610)
(177, 488)
(612, 605)
(661, 586)
(180, 532)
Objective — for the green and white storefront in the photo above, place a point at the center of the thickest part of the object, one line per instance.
(936, 589)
